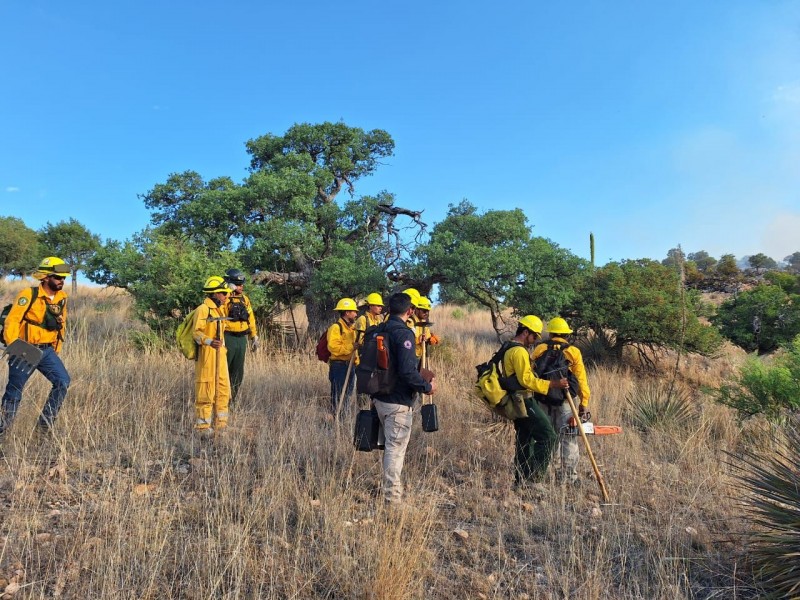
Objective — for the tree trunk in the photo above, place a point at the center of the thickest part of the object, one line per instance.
(74, 282)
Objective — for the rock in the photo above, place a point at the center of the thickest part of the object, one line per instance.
(596, 513)
(461, 534)
(11, 589)
(315, 502)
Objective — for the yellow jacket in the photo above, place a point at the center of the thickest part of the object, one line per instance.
(517, 361)
(341, 341)
(421, 332)
(30, 329)
(575, 360)
(205, 331)
(240, 326)
(366, 321)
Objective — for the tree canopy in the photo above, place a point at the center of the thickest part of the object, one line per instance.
(72, 242)
(19, 247)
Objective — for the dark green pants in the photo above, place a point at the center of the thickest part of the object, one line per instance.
(237, 348)
(535, 441)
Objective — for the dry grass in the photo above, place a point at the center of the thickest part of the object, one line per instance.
(122, 503)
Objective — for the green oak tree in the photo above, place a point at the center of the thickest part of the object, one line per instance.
(761, 263)
(19, 248)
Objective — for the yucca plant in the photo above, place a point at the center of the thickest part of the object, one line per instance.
(654, 404)
(771, 486)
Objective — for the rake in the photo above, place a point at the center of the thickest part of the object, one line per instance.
(22, 356)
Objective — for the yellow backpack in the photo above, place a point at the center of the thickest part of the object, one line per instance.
(492, 384)
(184, 336)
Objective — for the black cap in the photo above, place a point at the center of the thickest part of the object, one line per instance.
(234, 276)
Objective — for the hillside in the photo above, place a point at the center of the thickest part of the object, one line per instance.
(122, 502)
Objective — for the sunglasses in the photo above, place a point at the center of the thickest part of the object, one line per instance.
(59, 277)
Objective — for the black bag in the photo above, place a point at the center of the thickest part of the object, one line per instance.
(552, 365)
(374, 373)
(237, 310)
(365, 435)
(430, 418)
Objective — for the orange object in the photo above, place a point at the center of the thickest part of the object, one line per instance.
(383, 354)
(607, 429)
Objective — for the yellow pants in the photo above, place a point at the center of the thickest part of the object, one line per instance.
(211, 401)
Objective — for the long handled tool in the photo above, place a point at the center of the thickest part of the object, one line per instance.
(577, 418)
(217, 361)
(22, 355)
(343, 395)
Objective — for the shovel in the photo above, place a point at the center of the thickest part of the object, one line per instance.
(22, 356)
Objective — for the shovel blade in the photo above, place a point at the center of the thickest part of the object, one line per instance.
(23, 356)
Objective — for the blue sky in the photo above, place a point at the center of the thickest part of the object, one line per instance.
(649, 124)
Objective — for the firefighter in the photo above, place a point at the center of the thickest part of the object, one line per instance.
(341, 339)
(239, 329)
(212, 384)
(39, 316)
(422, 328)
(372, 316)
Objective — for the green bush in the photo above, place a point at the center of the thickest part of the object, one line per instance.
(655, 405)
(765, 389)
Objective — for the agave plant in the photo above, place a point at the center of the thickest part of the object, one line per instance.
(771, 485)
(655, 404)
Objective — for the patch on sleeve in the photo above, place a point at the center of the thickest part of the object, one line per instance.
(407, 344)
(22, 301)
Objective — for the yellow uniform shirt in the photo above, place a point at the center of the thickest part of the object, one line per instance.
(240, 326)
(31, 329)
(517, 361)
(341, 341)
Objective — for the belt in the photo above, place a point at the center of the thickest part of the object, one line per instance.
(50, 345)
(238, 333)
(344, 361)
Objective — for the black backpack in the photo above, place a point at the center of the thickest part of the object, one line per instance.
(375, 374)
(7, 309)
(237, 310)
(551, 365)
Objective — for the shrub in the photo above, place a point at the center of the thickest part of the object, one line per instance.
(656, 405)
(771, 484)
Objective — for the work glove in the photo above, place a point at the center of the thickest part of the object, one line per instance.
(254, 344)
(584, 413)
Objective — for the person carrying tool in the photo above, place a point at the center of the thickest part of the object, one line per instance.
(535, 438)
(212, 384)
(372, 316)
(39, 317)
(395, 409)
(240, 328)
(341, 337)
(422, 326)
(558, 410)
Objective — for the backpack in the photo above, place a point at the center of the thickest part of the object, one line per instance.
(237, 310)
(553, 364)
(492, 384)
(7, 309)
(322, 345)
(374, 373)
(184, 336)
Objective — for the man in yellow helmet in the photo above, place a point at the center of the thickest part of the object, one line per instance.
(212, 384)
(39, 317)
(373, 315)
(422, 328)
(535, 438)
(341, 339)
(240, 328)
(555, 405)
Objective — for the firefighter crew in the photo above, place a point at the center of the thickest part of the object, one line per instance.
(212, 384)
(39, 317)
(561, 415)
(422, 328)
(240, 328)
(341, 339)
(372, 316)
(535, 438)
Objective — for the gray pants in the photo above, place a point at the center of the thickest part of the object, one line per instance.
(396, 421)
(568, 444)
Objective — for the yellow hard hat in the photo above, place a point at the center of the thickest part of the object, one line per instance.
(52, 265)
(422, 303)
(532, 322)
(215, 284)
(375, 299)
(346, 304)
(558, 325)
(413, 294)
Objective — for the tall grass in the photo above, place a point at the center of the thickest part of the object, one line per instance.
(123, 502)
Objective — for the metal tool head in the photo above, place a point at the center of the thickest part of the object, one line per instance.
(23, 356)
(425, 323)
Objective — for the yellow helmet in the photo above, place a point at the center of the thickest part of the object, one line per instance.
(558, 325)
(413, 294)
(346, 304)
(375, 299)
(215, 284)
(422, 303)
(52, 265)
(532, 322)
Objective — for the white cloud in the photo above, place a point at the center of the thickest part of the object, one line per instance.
(11, 189)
